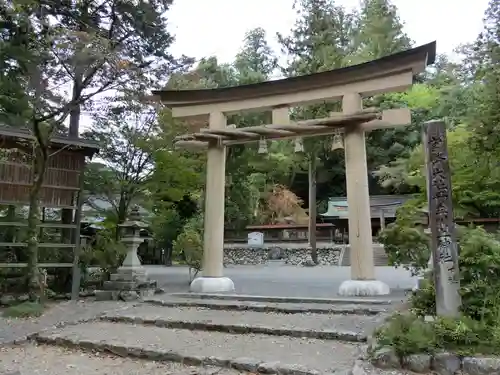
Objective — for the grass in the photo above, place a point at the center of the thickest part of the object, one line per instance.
(24, 310)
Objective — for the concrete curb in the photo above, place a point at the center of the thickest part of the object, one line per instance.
(236, 306)
(239, 328)
(242, 364)
(253, 298)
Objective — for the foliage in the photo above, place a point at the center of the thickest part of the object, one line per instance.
(125, 134)
(189, 245)
(405, 242)
(105, 252)
(478, 329)
(480, 274)
(410, 334)
(26, 309)
(282, 204)
(407, 334)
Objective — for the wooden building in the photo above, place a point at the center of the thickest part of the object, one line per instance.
(59, 242)
(382, 211)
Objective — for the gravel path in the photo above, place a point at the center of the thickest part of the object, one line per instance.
(315, 322)
(32, 359)
(316, 354)
(66, 312)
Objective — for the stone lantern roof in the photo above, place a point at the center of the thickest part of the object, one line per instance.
(134, 220)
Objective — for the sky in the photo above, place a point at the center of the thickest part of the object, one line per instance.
(217, 27)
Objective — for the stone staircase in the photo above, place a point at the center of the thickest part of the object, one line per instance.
(254, 334)
(379, 256)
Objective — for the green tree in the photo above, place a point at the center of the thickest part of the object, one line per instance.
(126, 135)
(484, 60)
(91, 46)
(379, 32)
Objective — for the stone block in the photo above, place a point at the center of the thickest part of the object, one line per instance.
(385, 358)
(245, 364)
(420, 363)
(446, 364)
(146, 293)
(480, 366)
(131, 274)
(129, 295)
(107, 295)
(119, 285)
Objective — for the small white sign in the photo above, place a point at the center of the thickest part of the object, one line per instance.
(256, 238)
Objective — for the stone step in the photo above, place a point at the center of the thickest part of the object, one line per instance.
(353, 328)
(279, 299)
(252, 352)
(276, 307)
(30, 359)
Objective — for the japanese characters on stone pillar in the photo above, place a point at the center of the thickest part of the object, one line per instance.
(443, 240)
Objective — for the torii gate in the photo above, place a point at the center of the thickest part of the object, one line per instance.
(351, 84)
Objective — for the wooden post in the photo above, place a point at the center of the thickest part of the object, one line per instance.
(443, 239)
(76, 274)
(382, 219)
(312, 208)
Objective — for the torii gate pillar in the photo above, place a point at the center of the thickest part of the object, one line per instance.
(213, 280)
(362, 281)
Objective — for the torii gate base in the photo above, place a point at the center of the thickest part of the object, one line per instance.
(391, 73)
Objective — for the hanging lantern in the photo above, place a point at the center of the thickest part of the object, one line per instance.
(337, 141)
(262, 146)
(299, 145)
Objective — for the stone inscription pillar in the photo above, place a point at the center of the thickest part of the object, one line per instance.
(212, 280)
(443, 238)
(362, 281)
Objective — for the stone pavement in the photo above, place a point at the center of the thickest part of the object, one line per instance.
(277, 279)
(270, 327)
(15, 330)
(207, 335)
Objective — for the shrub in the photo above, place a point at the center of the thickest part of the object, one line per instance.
(406, 334)
(479, 278)
(405, 243)
(189, 244)
(104, 252)
(478, 329)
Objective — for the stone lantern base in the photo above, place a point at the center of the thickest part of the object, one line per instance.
(127, 284)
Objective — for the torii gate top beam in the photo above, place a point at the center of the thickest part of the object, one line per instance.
(388, 74)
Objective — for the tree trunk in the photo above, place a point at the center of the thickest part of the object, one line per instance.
(74, 125)
(34, 282)
(312, 208)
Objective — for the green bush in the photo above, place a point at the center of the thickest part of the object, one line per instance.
(105, 252)
(189, 244)
(423, 300)
(478, 329)
(406, 334)
(410, 334)
(479, 278)
(405, 243)
(480, 274)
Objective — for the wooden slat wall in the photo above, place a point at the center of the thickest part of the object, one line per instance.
(62, 179)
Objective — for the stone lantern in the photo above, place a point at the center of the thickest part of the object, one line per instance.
(130, 237)
(131, 280)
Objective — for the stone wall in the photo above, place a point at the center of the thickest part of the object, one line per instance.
(293, 254)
